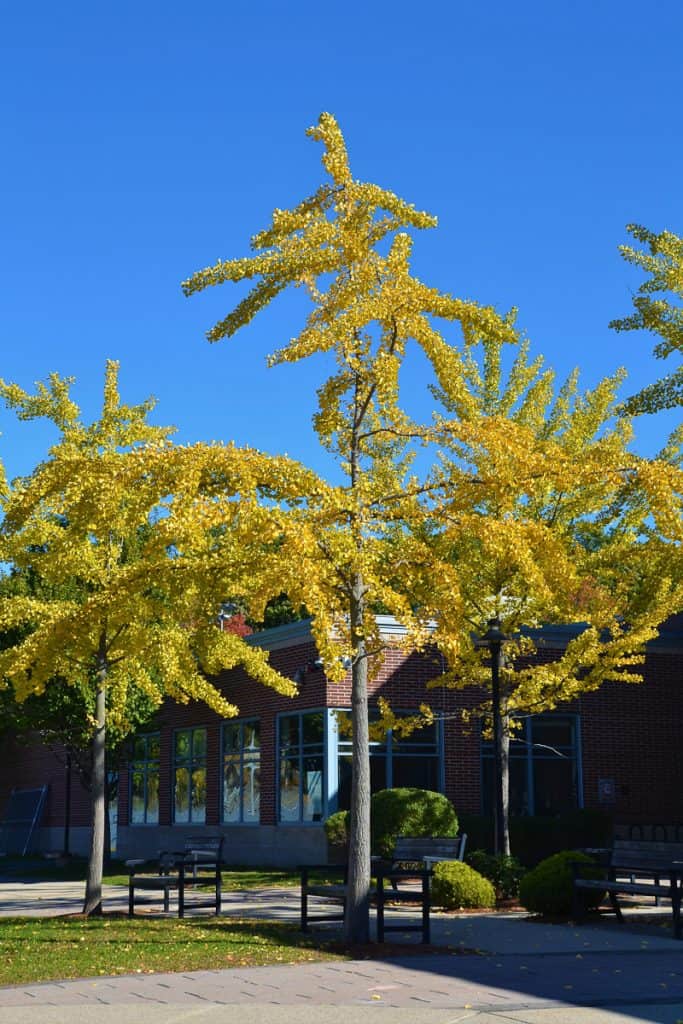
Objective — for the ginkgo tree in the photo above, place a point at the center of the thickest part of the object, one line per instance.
(544, 516)
(348, 245)
(107, 522)
(661, 257)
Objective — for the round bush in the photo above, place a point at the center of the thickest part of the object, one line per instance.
(458, 885)
(548, 888)
(337, 828)
(409, 812)
(505, 873)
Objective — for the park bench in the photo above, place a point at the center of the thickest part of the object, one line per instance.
(197, 864)
(632, 868)
(336, 893)
(427, 850)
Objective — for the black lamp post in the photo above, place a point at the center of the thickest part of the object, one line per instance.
(495, 638)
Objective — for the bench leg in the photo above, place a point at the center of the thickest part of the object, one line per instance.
(218, 893)
(131, 898)
(676, 908)
(380, 909)
(615, 905)
(166, 898)
(304, 900)
(426, 907)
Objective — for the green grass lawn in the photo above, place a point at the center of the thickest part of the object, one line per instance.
(44, 949)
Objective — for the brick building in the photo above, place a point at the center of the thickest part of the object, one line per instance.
(269, 778)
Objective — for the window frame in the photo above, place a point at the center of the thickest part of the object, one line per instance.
(321, 750)
(146, 762)
(192, 764)
(242, 722)
(573, 751)
(389, 754)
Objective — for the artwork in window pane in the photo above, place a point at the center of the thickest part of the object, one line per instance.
(137, 798)
(152, 812)
(153, 748)
(252, 740)
(231, 791)
(289, 790)
(199, 794)
(289, 732)
(231, 738)
(181, 795)
(551, 732)
(251, 791)
(313, 727)
(420, 772)
(312, 789)
(198, 744)
(554, 786)
(182, 745)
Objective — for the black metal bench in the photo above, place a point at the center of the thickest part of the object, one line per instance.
(336, 893)
(632, 868)
(198, 864)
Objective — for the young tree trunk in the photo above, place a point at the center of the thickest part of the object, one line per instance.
(357, 916)
(93, 885)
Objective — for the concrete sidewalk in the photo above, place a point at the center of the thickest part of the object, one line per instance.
(598, 973)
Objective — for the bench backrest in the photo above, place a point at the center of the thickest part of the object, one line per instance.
(210, 847)
(638, 853)
(415, 847)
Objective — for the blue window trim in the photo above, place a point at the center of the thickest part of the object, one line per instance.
(300, 822)
(333, 798)
(192, 763)
(575, 718)
(241, 722)
(147, 761)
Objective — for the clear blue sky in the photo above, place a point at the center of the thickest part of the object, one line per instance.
(141, 141)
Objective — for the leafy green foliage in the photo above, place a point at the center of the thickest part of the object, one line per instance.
(548, 888)
(661, 257)
(409, 812)
(458, 885)
(504, 873)
(337, 828)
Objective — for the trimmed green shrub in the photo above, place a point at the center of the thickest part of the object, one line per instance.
(337, 828)
(505, 873)
(457, 885)
(409, 812)
(548, 888)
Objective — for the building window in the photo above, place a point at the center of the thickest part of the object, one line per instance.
(302, 747)
(241, 771)
(410, 761)
(544, 767)
(144, 781)
(189, 776)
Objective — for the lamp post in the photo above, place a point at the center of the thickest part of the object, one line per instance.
(495, 638)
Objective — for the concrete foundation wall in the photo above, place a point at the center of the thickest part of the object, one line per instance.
(264, 845)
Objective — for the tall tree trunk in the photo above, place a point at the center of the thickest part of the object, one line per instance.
(357, 917)
(93, 885)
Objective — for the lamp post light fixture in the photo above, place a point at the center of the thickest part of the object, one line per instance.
(494, 637)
